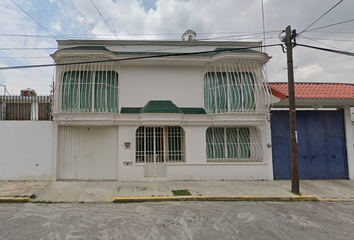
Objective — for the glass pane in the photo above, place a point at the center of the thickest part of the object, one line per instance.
(112, 92)
(232, 142)
(174, 143)
(221, 92)
(235, 95)
(70, 91)
(219, 143)
(209, 143)
(149, 146)
(86, 91)
(100, 91)
(248, 91)
(244, 139)
(209, 97)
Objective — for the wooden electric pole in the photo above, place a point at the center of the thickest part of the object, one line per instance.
(295, 184)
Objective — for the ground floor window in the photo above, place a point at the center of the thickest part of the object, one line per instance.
(229, 144)
(160, 144)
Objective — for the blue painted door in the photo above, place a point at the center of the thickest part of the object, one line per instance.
(321, 145)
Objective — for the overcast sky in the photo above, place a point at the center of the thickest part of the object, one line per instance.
(239, 20)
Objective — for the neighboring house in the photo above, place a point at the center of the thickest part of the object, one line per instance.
(177, 110)
(324, 131)
(26, 136)
(27, 106)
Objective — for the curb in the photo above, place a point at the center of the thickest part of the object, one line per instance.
(336, 200)
(211, 198)
(15, 199)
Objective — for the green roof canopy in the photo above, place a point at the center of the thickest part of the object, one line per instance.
(161, 106)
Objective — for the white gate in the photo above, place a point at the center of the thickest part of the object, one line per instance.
(155, 162)
(88, 153)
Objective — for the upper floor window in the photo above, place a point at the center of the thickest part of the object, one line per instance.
(229, 92)
(90, 91)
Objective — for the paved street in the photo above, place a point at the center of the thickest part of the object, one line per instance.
(178, 220)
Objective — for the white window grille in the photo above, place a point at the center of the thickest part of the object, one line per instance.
(87, 87)
(233, 144)
(236, 86)
(160, 144)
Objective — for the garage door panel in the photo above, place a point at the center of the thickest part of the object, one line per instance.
(88, 153)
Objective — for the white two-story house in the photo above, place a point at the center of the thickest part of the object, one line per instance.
(138, 110)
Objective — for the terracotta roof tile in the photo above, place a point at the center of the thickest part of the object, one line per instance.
(315, 90)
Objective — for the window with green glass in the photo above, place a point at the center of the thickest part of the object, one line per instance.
(228, 92)
(233, 144)
(90, 91)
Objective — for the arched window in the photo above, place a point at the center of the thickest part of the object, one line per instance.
(233, 144)
(160, 144)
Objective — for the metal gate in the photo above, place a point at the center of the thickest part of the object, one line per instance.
(321, 145)
(155, 161)
(88, 153)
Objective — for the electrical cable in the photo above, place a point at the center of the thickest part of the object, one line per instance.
(133, 58)
(320, 17)
(33, 19)
(302, 36)
(327, 50)
(104, 19)
(331, 25)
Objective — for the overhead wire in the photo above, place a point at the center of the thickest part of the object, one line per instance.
(320, 17)
(327, 50)
(302, 36)
(331, 25)
(32, 18)
(103, 18)
(130, 59)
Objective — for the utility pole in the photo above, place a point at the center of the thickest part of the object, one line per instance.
(295, 183)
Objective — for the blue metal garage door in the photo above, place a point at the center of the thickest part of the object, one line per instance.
(321, 145)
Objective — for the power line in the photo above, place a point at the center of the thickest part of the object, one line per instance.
(327, 50)
(321, 43)
(131, 34)
(130, 59)
(103, 18)
(26, 57)
(333, 39)
(320, 17)
(34, 48)
(331, 25)
(33, 19)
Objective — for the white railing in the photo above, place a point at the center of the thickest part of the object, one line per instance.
(236, 86)
(89, 87)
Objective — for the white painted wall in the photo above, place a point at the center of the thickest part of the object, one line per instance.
(184, 86)
(196, 166)
(26, 150)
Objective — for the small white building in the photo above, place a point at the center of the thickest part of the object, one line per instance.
(161, 111)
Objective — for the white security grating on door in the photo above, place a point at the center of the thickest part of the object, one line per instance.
(157, 145)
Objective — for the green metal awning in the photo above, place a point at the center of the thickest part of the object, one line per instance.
(161, 106)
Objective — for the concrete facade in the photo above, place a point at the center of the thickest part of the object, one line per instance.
(180, 80)
(26, 150)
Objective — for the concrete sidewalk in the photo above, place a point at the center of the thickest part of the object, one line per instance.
(88, 191)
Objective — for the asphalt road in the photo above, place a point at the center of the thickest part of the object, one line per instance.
(178, 220)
